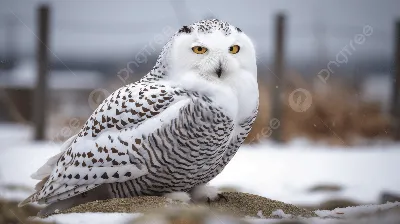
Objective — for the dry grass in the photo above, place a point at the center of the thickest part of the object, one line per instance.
(336, 115)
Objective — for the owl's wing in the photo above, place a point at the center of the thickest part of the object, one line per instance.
(99, 153)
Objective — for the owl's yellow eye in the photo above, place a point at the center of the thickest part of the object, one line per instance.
(199, 50)
(234, 49)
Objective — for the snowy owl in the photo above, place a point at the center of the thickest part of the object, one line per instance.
(167, 134)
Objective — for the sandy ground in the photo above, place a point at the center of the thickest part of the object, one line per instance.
(237, 204)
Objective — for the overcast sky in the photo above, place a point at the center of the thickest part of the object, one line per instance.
(118, 27)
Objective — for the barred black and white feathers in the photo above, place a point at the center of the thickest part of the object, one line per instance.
(173, 130)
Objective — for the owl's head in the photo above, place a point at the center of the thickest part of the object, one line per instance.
(212, 49)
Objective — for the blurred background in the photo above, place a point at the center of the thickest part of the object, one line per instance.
(328, 125)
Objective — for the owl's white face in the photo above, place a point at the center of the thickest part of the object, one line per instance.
(214, 56)
(219, 65)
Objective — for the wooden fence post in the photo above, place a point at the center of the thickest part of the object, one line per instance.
(396, 86)
(277, 85)
(40, 91)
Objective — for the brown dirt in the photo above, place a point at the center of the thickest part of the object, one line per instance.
(238, 204)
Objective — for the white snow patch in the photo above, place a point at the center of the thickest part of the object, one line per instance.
(83, 218)
(260, 214)
(18, 161)
(281, 214)
(356, 211)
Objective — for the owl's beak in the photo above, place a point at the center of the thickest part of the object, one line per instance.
(219, 70)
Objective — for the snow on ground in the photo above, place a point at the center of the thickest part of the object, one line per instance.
(356, 211)
(11, 133)
(18, 163)
(98, 218)
(19, 158)
(286, 172)
(280, 172)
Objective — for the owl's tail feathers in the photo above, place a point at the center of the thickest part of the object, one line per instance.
(60, 194)
(47, 168)
(38, 187)
(33, 197)
(99, 193)
(27, 200)
(66, 193)
(43, 173)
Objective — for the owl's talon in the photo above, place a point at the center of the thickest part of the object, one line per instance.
(221, 196)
